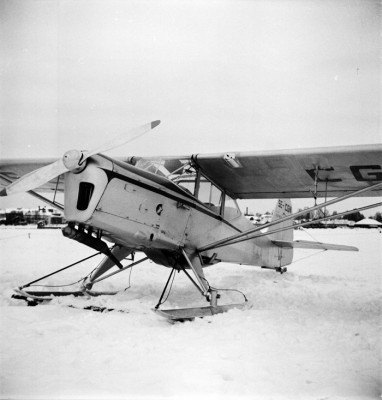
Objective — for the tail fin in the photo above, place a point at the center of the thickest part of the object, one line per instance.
(278, 257)
(283, 209)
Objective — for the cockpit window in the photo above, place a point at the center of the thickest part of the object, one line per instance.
(186, 176)
(231, 209)
(155, 167)
(187, 181)
(210, 195)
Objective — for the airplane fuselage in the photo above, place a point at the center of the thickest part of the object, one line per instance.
(147, 212)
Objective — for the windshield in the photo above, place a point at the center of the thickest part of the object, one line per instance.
(181, 174)
(154, 166)
(203, 189)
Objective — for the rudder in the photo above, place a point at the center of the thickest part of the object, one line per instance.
(279, 257)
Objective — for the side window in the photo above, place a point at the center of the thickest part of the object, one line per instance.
(187, 183)
(210, 195)
(231, 209)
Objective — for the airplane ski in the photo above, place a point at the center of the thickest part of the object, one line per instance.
(189, 314)
(41, 296)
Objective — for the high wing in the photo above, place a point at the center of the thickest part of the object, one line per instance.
(260, 175)
(13, 169)
(293, 173)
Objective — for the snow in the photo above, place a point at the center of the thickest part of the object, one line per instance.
(312, 333)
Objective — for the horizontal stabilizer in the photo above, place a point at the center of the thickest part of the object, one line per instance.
(305, 244)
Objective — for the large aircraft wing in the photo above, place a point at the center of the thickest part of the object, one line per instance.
(12, 169)
(292, 173)
(262, 174)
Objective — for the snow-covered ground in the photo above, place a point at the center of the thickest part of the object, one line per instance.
(313, 333)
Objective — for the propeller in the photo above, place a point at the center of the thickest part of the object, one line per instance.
(72, 160)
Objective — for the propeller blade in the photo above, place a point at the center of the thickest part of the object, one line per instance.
(35, 178)
(125, 138)
(71, 160)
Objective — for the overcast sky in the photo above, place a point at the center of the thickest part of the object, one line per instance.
(221, 75)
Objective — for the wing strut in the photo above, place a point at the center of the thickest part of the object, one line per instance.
(40, 197)
(243, 239)
(235, 238)
(310, 222)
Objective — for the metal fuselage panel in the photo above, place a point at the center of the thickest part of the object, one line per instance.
(146, 212)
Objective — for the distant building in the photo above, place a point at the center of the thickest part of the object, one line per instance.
(265, 218)
(259, 219)
(338, 223)
(368, 223)
(40, 216)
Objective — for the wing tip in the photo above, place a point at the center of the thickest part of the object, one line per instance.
(3, 192)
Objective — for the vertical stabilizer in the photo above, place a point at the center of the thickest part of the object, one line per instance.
(283, 208)
(278, 256)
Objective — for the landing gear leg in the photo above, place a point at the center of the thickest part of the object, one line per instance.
(204, 288)
(118, 253)
(209, 293)
(197, 269)
(214, 295)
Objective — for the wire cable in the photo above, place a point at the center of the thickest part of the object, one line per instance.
(310, 255)
(230, 290)
(57, 286)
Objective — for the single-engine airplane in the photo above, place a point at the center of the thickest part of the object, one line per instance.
(181, 212)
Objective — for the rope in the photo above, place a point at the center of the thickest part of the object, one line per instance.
(230, 290)
(128, 287)
(223, 290)
(57, 286)
(160, 302)
(169, 291)
(61, 269)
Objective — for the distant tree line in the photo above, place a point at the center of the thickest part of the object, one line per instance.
(355, 216)
(378, 217)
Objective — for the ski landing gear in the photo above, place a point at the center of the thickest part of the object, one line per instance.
(211, 294)
(33, 297)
